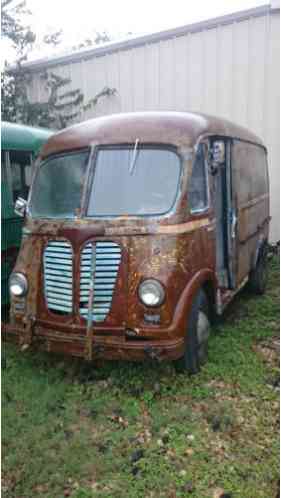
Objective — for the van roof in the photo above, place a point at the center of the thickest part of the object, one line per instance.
(175, 128)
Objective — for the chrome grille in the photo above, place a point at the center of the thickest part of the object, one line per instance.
(58, 276)
(107, 262)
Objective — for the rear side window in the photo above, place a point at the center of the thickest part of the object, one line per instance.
(198, 187)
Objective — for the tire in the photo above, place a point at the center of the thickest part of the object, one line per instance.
(259, 275)
(197, 335)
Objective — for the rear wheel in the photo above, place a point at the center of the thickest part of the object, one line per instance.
(197, 335)
(259, 275)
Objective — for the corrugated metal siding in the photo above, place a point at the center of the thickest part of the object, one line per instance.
(230, 70)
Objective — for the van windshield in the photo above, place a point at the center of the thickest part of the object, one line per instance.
(57, 189)
(131, 181)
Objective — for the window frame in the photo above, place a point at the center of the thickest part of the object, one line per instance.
(84, 184)
(126, 146)
(198, 211)
(8, 167)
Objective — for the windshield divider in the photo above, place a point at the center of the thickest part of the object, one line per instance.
(87, 182)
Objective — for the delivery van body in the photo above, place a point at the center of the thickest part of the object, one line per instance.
(139, 229)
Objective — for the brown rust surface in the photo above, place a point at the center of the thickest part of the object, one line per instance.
(178, 128)
(173, 259)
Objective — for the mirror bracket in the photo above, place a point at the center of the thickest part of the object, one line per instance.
(216, 156)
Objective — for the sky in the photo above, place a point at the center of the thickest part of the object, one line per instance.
(80, 19)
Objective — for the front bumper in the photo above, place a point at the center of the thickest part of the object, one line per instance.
(107, 347)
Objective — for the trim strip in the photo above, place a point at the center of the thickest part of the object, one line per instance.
(187, 227)
(253, 202)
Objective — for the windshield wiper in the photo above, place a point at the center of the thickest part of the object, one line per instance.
(134, 158)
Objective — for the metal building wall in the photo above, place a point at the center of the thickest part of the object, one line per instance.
(230, 69)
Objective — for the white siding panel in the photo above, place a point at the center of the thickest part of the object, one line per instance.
(240, 72)
(225, 71)
(257, 44)
(151, 77)
(138, 81)
(126, 83)
(211, 76)
(272, 119)
(113, 82)
(196, 72)
(180, 62)
(166, 75)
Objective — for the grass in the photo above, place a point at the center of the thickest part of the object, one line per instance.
(132, 430)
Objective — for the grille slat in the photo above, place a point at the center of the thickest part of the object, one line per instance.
(112, 275)
(60, 268)
(53, 300)
(56, 260)
(58, 276)
(58, 290)
(107, 263)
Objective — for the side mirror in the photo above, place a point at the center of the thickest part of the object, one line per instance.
(20, 206)
(217, 156)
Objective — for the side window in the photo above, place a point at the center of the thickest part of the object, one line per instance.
(21, 168)
(198, 186)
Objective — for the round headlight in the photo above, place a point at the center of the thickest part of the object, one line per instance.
(151, 293)
(18, 284)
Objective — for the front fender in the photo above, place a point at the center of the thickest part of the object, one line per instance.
(203, 278)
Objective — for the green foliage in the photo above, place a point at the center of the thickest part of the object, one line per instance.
(21, 36)
(62, 106)
(98, 38)
(127, 429)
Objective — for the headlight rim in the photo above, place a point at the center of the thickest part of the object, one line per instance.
(22, 280)
(160, 287)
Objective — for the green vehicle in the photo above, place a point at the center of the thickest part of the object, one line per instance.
(19, 147)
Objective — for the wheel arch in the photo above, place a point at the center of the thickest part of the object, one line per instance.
(205, 280)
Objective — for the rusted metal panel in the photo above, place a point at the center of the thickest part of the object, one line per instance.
(180, 129)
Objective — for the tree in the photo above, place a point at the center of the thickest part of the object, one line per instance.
(62, 105)
(98, 39)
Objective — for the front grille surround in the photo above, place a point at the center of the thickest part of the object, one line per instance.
(58, 266)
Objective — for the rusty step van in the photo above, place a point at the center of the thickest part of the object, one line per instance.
(140, 228)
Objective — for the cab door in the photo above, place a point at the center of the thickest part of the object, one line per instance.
(231, 217)
(225, 213)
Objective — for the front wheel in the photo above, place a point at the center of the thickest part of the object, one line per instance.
(197, 335)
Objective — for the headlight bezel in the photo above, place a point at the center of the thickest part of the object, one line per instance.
(20, 280)
(154, 283)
